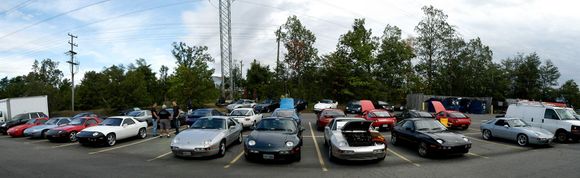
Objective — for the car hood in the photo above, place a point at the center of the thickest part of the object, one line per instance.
(41, 127)
(323, 105)
(103, 129)
(231, 106)
(198, 136)
(359, 125)
(69, 127)
(542, 132)
(448, 137)
(23, 126)
(573, 122)
(265, 139)
(194, 116)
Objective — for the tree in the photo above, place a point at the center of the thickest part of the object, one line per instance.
(258, 80)
(549, 76)
(569, 90)
(433, 31)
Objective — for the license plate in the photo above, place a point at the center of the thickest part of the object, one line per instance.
(247, 119)
(186, 153)
(268, 156)
(385, 125)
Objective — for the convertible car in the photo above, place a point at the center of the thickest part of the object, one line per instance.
(352, 139)
(18, 131)
(516, 130)
(208, 136)
(246, 116)
(40, 130)
(430, 136)
(113, 129)
(274, 139)
(69, 131)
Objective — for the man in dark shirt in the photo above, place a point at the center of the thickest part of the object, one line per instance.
(155, 119)
(175, 117)
(164, 121)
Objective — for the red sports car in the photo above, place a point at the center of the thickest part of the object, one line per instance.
(69, 132)
(326, 115)
(453, 119)
(381, 118)
(18, 131)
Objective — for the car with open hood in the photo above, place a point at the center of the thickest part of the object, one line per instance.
(353, 139)
(274, 138)
(68, 132)
(516, 130)
(199, 113)
(266, 106)
(453, 119)
(326, 115)
(430, 137)
(208, 136)
(20, 119)
(381, 118)
(18, 131)
(39, 131)
(112, 129)
(246, 116)
(325, 104)
(242, 103)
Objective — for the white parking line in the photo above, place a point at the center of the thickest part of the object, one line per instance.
(234, 160)
(308, 136)
(403, 158)
(160, 156)
(64, 145)
(123, 146)
(317, 149)
(474, 130)
(473, 154)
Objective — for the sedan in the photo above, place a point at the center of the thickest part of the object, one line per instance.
(430, 136)
(246, 116)
(208, 136)
(69, 131)
(243, 103)
(112, 129)
(39, 131)
(18, 131)
(326, 116)
(352, 139)
(142, 116)
(516, 130)
(274, 139)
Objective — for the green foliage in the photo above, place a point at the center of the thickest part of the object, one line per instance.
(569, 90)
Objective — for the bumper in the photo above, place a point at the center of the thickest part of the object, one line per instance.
(245, 122)
(16, 133)
(450, 150)
(360, 153)
(387, 123)
(459, 123)
(92, 140)
(322, 123)
(37, 134)
(193, 153)
(275, 155)
(56, 135)
(541, 141)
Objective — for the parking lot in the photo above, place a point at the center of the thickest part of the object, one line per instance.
(152, 157)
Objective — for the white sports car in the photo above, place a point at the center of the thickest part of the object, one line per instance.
(325, 104)
(246, 116)
(112, 129)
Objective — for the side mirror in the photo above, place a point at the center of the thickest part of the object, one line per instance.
(232, 127)
(506, 126)
(327, 128)
(125, 125)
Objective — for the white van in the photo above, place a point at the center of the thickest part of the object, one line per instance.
(560, 121)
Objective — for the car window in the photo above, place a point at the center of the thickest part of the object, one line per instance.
(63, 121)
(550, 114)
(231, 123)
(32, 115)
(409, 124)
(111, 121)
(208, 123)
(286, 125)
(91, 122)
(42, 121)
(500, 122)
(128, 121)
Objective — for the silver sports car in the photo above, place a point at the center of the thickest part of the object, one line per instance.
(39, 131)
(515, 129)
(208, 136)
(352, 139)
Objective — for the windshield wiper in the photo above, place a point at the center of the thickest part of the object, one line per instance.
(423, 129)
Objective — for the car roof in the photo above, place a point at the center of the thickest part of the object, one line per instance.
(280, 118)
(216, 117)
(417, 119)
(243, 109)
(348, 118)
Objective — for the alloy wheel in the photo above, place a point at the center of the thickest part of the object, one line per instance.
(486, 134)
(72, 136)
(111, 140)
(422, 149)
(522, 140)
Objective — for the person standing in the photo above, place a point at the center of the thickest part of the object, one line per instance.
(155, 119)
(175, 117)
(164, 121)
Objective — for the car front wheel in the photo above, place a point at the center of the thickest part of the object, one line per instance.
(111, 139)
(142, 133)
(394, 140)
(486, 134)
(522, 140)
(222, 149)
(423, 150)
(561, 136)
(72, 136)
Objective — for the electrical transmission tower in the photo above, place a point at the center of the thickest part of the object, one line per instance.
(72, 63)
(226, 47)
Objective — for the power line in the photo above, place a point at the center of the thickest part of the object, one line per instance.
(19, 6)
(50, 18)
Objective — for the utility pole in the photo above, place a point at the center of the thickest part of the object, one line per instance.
(226, 46)
(72, 63)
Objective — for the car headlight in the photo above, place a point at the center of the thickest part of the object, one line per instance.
(95, 134)
(441, 141)
(4, 125)
(289, 144)
(207, 142)
(175, 140)
(342, 143)
(464, 138)
(251, 143)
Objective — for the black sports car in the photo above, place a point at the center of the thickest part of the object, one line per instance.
(19, 120)
(353, 107)
(413, 114)
(300, 104)
(267, 105)
(274, 139)
(430, 136)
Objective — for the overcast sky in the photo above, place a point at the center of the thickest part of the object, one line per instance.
(118, 32)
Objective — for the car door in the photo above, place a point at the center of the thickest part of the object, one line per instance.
(126, 129)
(551, 121)
(499, 130)
(232, 132)
(328, 130)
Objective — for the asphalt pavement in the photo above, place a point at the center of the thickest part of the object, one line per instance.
(152, 157)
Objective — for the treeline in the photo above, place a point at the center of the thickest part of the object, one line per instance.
(364, 65)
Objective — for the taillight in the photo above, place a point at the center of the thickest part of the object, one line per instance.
(378, 139)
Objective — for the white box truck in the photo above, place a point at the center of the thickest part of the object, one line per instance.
(10, 107)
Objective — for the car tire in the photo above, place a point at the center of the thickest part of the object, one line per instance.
(72, 136)
(142, 133)
(394, 140)
(561, 136)
(222, 149)
(486, 134)
(298, 157)
(464, 128)
(111, 139)
(43, 134)
(522, 140)
(423, 150)
(330, 156)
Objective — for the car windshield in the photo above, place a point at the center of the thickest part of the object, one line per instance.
(277, 125)
(428, 124)
(517, 123)
(333, 113)
(31, 121)
(565, 114)
(112, 122)
(136, 113)
(20, 116)
(82, 114)
(380, 114)
(283, 113)
(240, 112)
(326, 101)
(200, 112)
(77, 121)
(52, 121)
(209, 123)
(457, 115)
